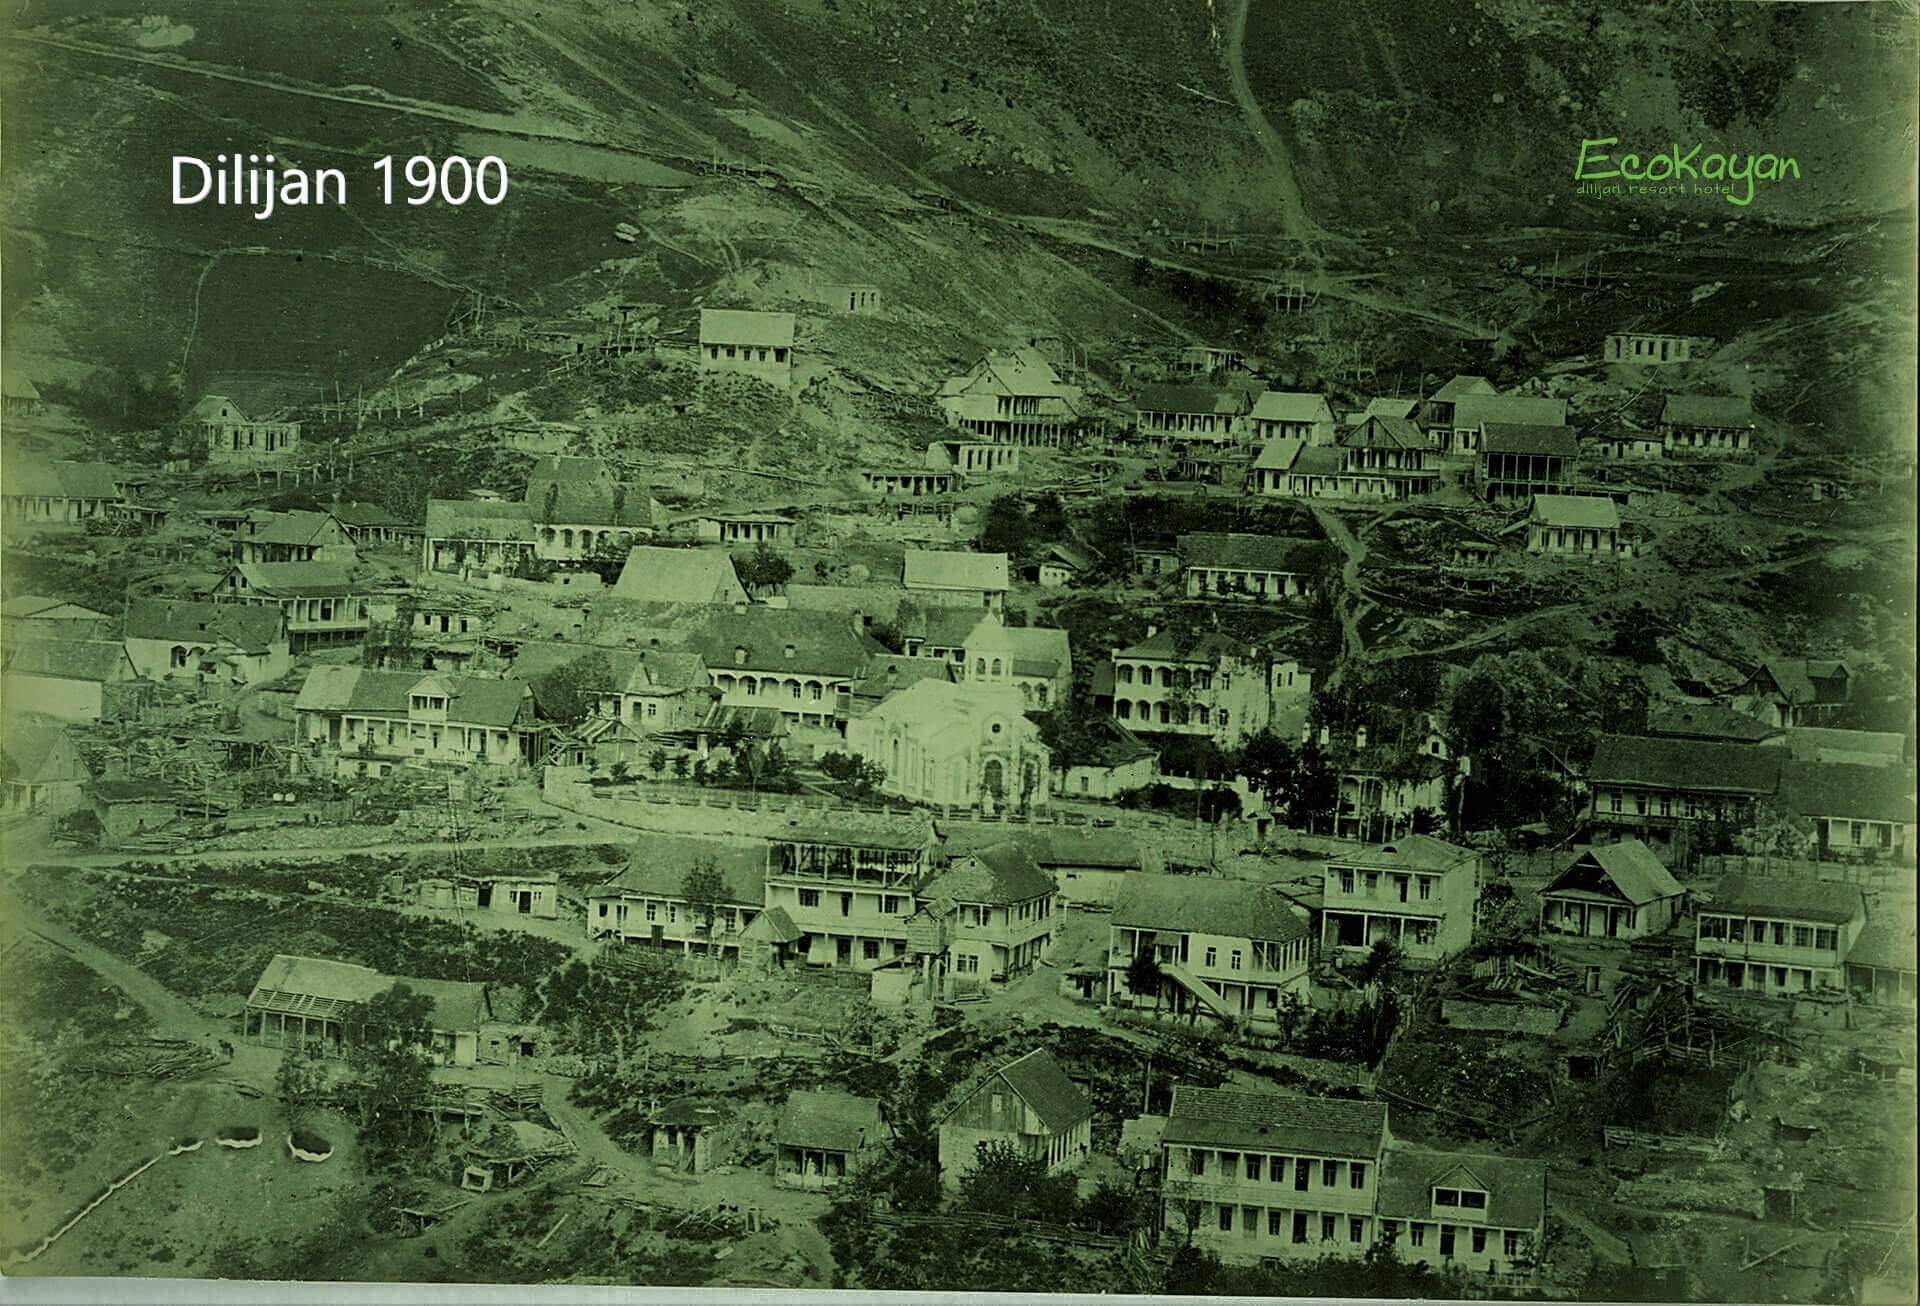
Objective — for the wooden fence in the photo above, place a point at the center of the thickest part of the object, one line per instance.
(1868, 875)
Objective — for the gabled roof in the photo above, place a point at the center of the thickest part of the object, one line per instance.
(928, 708)
(355, 512)
(660, 862)
(1885, 943)
(828, 1121)
(1235, 551)
(1035, 650)
(904, 831)
(1537, 441)
(948, 569)
(1413, 852)
(1629, 866)
(1707, 410)
(1389, 406)
(1038, 1080)
(1695, 765)
(579, 501)
(1279, 453)
(479, 519)
(633, 670)
(1291, 406)
(35, 607)
(893, 671)
(1708, 721)
(297, 527)
(30, 750)
(824, 643)
(472, 700)
(1516, 1187)
(17, 385)
(1320, 1126)
(1206, 904)
(1821, 744)
(1800, 899)
(1580, 511)
(252, 628)
(1848, 790)
(739, 326)
(322, 987)
(1093, 849)
(664, 575)
(1378, 432)
(38, 478)
(1794, 677)
(1211, 400)
(96, 660)
(1002, 873)
(294, 579)
(1523, 410)
(1463, 386)
(1171, 646)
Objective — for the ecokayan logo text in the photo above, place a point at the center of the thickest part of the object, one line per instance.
(1676, 172)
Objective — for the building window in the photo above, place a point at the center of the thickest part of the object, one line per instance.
(1299, 1226)
(1479, 1241)
(1426, 887)
(1329, 1173)
(1253, 1168)
(1213, 955)
(1229, 1162)
(870, 949)
(1226, 1219)
(1276, 1223)
(1196, 1161)
(1826, 940)
(1233, 960)
(1803, 936)
(1417, 1234)
(1302, 1174)
(1356, 1228)
(1357, 1174)
(1510, 1243)
(1327, 1225)
(809, 897)
(653, 911)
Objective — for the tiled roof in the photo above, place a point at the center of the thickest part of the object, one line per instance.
(1170, 646)
(1885, 943)
(293, 579)
(1390, 406)
(1038, 1080)
(953, 570)
(250, 627)
(880, 602)
(1580, 511)
(1462, 386)
(1236, 551)
(664, 575)
(1378, 432)
(29, 747)
(1629, 865)
(1536, 441)
(96, 660)
(1206, 904)
(1280, 1122)
(823, 643)
(735, 326)
(38, 478)
(1795, 898)
(660, 862)
(1708, 721)
(1291, 406)
(1795, 677)
(1414, 852)
(479, 519)
(1696, 765)
(25, 607)
(1523, 410)
(1074, 847)
(581, 502)
(1706, 410)
(1516, 1187)
(1848, 790)
(828, 1121)
(298, 527)
(1002, 873)
(357, 513)
(1821, 744)
(904, 831)
(893, 671)
(1205, 399)
(472, 700)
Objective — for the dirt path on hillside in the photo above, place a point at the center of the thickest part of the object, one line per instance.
(1352, 603)
(1295, 221)
(172, 1014)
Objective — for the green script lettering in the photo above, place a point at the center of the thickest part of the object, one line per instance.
(1736, 173)
(1580, 172)
(1630, 168)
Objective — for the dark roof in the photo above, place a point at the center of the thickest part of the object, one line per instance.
(1584, 511)
(695, 1111)
(660, 862)
(479, 519)
(326, 987)
(1516, 1187)
(354, 512)
(1707, 410)
(1886, 944)
(1170, 646)
(1515, 437)
(294, 579)
(1824, 743)
(1210, 399)
(1850, 790)
(61, 479)
(1795, 677)
(68, 659)
(1202, 904)
(1465, 385)
(1002, 873)
(1471, 410)
(582, 502)
(297, 527)
(249, 627)
(1384, 432)
(1629, 866)
(824, 643)
(473, 700)
(130, 791)
(891, 671)
(1250, 552)
(1695, 765)
(1280, 1122)
(1038, 1080)
(1792, 899)
(1413, 852)
(906, 831)
(1070, 847)
(1708, 721)
(828, 1121)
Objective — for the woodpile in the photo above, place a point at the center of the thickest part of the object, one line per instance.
(155, 1058)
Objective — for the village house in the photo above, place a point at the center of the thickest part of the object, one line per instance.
(126, 809)
(355, 721)
(846, 883)
(1417, 893)
(1114, 761)
(311, 1002)
(1288, 414)
(369, 525)
(232, 643)
(1384, 783)
(1224, 949)
(1063, 564)
(298, 536)
(907, 482)
(1012, 397)
(668, 575)
(938, 632)
(646, 904)
(1880, 964)
(1649, 347)
(1211, 685)
(1436, 415)
(1472, 413)
(1651, 787)
(756, 528)
(1004, 911)
(1711, 721)
(38, 493)
(321, 601)
(1253, 566)
(805, 664)
(824, 1137)
(1518, 462)
(1291, 468)
(1574, 525)
(741, 340)
(692, 1135)
(232, 437)
(1856, 810)
(1622, 440)
(1774, 935)
(651, 691)
(1471, 1211)
(889, 673)
(1265, 1177)
(1708, 425)
(19, 396)
(1794, 691)
(32, 616)
(1612, 891)
(1859, 747)
(958, 459)
(953, 577)
(477, 537)
(1383, 458)
(1028, 1104)
(965, 745)
(45, 774)
(580, 509)
(70, 680)
(851, 297)
(1207, 360)
(503, 895)
(1191, 414)
(1036, 660)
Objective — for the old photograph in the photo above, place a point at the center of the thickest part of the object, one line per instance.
(1255, 648)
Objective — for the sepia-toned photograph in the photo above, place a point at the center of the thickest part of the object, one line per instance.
(1179, 648)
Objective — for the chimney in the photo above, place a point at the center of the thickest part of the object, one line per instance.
(739, 609)
(789, 652)
(1360, 737)
(859, 621)
(739, 655)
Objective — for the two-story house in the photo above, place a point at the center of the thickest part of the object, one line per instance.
(646, 904)
(1027, 1104)
(1856, 809)
(967, 745)
(1652, 348)
(477, 536)
(1774, 935)
(1520, 461)
(233, 437)
(649, 691)
(1471, 1211)
(580, 508)
(236, 643)
(1290, 414)
(1436, 414)
(1035, 660)
(1707, 425)
(1612, 891)
(297, 536)
(803, 663)
(1222, 948)
(1794, 691)
(1211, 685)
(1191, 415)
(757, 344)
(847, 881)
(321, 601)
(354, 721)
(1012, 397)
(1253, 566)
(956, 577)
(1417, 893)
(1259, 1177)
(1004, 910)
(1472, 413)
(1650, 786)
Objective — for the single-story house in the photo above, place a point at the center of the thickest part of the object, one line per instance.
(1028, 1104)
(312, 1000)
(44, 772)
(1614, 891)
(822, 1137)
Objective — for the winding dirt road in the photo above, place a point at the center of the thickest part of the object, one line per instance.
(1295, 221)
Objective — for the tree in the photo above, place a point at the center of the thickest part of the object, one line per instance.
(1380, 963)
(680, 766)
(550, 503)
(1144, 976)
(763, 570)
(861, 777)
(704, 890)
(387, 1038)
(300, 1083)
(1004, 1181)
(657, 761)
(569, 693)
